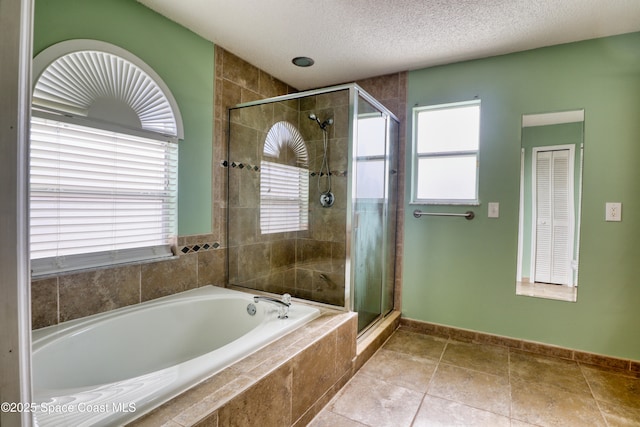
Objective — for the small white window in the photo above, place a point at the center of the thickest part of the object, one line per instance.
(103, 160)
(370, 157)
(445, 147)
(284, 181)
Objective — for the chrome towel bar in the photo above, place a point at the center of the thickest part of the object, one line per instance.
(468, 214)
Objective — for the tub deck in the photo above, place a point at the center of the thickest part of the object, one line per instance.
(285, 383)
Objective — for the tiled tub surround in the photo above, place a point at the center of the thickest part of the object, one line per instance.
(284, 384)
(78, 294)
(145, 354)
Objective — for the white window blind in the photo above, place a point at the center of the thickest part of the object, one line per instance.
(284, 198)
(99, 197)
(446, 146)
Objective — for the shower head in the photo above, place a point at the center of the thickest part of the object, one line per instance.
(322, 125)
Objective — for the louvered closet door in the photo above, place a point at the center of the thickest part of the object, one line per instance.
(552, 217)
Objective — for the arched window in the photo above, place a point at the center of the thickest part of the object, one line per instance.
(103, 159)
(284, 181)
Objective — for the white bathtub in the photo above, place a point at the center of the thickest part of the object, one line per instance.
(109, 368)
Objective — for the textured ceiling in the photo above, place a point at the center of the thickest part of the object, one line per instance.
(355, 39)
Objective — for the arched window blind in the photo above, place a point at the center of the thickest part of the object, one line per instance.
(103, 161)
(284, 181)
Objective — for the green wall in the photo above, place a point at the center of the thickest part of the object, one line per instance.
(462, 273)
(182, 59)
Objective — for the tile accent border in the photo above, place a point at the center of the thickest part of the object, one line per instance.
(255, 168)
(631, 367)
(198, 247)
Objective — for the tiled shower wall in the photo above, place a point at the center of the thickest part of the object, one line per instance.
(201, 259)
(308, 264)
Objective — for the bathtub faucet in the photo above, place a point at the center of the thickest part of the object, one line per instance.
(283, 304)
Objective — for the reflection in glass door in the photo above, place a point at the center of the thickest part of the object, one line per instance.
(374, 215)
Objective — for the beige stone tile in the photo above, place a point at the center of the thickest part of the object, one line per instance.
(168, 277)
(498, 340)
(613, 387)
(283, 254)
(436, 412)
(416, 344)
(287, 111)
(327, 418)
(314, 372)
(44, 302)
(243, 223)
(231, 96)
(549, 406)
(253, 261)
(346, 346)
(321, 403)
(240, 71)
(400, 369)
(212, 265)
(244, 149)
(376, 403)
(210, 421)
(518, 423)
(382, 87)
(472, 388)
(410, 325)
(328, 225)
(87, 293)
(604, 361)
(462, 335)
(547, 350)
(620, 416)
(535, 368)
(255, 407)
(484, 358)
(270, 86)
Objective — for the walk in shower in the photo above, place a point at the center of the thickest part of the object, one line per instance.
(312, 199)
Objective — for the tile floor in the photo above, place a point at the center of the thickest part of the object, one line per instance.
(546, 290)
(421, 380)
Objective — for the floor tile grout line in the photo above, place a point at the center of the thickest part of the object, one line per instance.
(512, 375)
(435, 371)
(441, 361)
(593, 395)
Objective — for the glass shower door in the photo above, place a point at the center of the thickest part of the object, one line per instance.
(371, 227)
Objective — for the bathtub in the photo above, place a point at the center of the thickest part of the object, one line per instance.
(110, 368)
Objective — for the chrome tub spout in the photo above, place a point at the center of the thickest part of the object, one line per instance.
(283, 304)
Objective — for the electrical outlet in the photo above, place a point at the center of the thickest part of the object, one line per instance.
(613, 211)
(493, 210)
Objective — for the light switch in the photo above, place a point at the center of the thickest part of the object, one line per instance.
(613, 211)
(494, 209)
